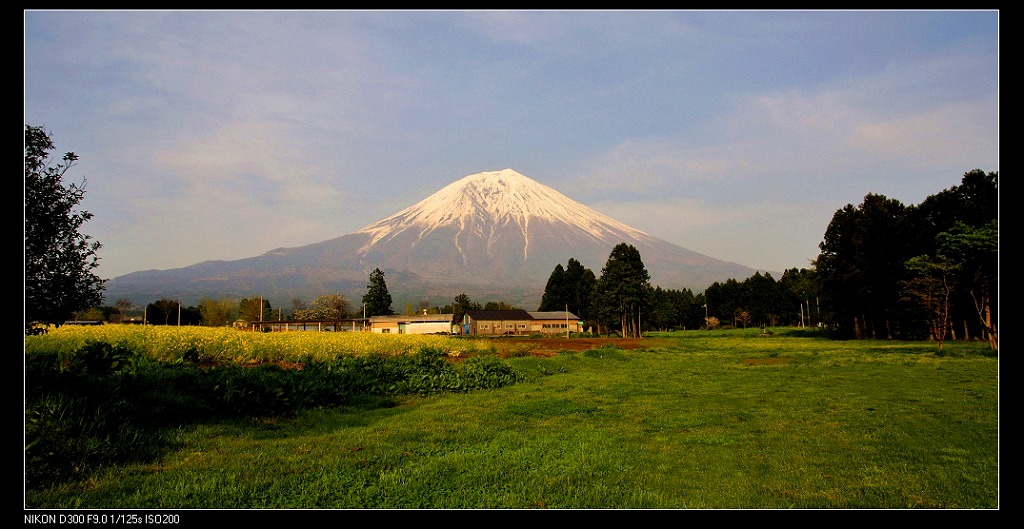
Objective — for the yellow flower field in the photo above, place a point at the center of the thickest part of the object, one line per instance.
(171, 343)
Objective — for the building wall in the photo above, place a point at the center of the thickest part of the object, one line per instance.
(555, 326)
(411, 327)
(387, 327)
(499, 327)
(428, 327)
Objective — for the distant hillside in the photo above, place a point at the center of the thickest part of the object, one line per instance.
(495, 236)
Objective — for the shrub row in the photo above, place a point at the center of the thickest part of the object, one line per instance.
(107, 404)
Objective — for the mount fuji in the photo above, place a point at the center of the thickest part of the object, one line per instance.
(495, 236)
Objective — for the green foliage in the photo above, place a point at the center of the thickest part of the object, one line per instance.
(570, 288)
(377, 299)
(460, 305)
(686, 424)
(217, 312)
(59, 260)
(325, 308)
(866, 248)
(609, 352)
(623, 289)
(164, 311)
(105, 404)
(255, 309)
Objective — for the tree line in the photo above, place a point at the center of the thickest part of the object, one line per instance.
(885, 270)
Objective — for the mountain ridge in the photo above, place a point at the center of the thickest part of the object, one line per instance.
(494, 235)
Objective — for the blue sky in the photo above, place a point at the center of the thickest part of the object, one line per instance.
(221, 135)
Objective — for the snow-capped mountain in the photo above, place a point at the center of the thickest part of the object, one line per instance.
(494, 224)
(482, 203)
(495, 236)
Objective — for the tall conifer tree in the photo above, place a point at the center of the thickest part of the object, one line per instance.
(377, 299)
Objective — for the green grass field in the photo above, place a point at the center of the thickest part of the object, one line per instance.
(693, 420)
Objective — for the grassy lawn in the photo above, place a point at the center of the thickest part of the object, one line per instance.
(691, 420)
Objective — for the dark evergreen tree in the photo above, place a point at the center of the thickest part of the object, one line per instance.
(799, 298)
(689, 311)
(974, 204)
(569, 288)
(460, 305)
(624, 286)
(255, 309)
(724, 300)
(761, 297)
(377, 299)
(580, 282)
(59, 261)
(554, 297)
(663, 311)
(163, 312)
(975, 252)
(862, 264)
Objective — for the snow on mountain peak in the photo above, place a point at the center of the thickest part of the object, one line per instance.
(496, 198)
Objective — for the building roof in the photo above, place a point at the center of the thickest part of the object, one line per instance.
(501, 315)
(553, 315)
(416, 318)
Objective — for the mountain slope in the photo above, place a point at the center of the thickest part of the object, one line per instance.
(493, 235)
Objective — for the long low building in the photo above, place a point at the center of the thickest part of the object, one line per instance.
(518, 322)
(415, 324)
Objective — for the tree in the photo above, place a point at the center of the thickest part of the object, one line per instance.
(255, 309)
(580, 282)
(664, 312)
(59, 261)
(930, 284)
(216, 312)
(624, 286)
(460, 305)
(377, 299)
(297, 305)
(325, 308)
(976, 252)
(554, 297)
(164, 311)
(121, 306)
(569, 288)
(862, 261)
(798, 288)
(722, 299)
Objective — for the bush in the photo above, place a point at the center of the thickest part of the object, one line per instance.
(106, 404)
